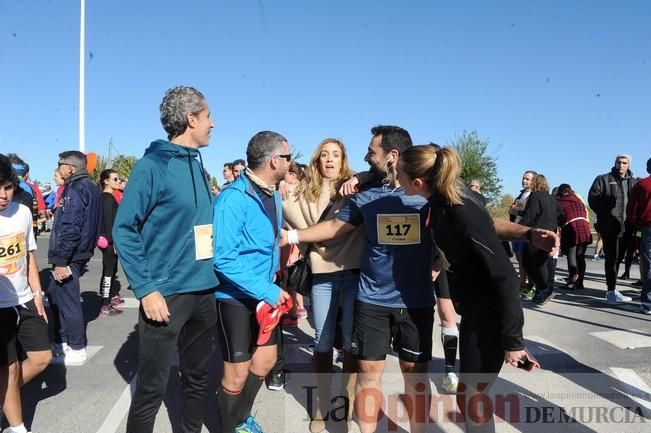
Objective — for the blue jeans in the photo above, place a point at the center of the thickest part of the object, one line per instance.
(329, 292)
(645, 264)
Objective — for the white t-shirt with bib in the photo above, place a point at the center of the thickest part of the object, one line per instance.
(16, 240)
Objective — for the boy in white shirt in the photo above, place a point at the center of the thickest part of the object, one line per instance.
(24, 341)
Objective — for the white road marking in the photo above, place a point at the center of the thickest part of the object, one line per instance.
(119, 409)
(636, 388)
(129, 303)
(632, 339)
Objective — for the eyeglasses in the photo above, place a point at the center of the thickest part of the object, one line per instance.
(288, 157)
(115, 179)
(64, 163)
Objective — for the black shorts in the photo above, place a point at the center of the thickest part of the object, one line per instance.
(238, 331)
(32, 334)
(442, 285)
(376, 327)
(8, 329)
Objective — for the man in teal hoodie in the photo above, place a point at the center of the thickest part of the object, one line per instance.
(163, 234)
(248, 215)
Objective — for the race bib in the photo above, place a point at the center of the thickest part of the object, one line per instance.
(12, 249)
(398, 229)
(203, 242)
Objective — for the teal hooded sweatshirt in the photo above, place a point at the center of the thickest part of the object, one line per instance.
(166, 198)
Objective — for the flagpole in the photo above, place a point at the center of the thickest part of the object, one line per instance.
(82, 77)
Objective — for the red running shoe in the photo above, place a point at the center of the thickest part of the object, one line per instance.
(268, 318)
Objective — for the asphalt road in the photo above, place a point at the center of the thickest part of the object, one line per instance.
(596, 374)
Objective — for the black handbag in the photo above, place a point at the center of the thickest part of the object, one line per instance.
(299, 275)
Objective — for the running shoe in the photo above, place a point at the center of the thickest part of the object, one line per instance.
(615, 296)
(275, 380)
(109, 311)
(268, 318)
(645, 309)
(541, 298)
(249, 426)
(117, 300)
(301, 313)
(526, 292)
(450, 383)
(288, 321)
(70, 357)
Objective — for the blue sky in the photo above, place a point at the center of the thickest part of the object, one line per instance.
(560, 87)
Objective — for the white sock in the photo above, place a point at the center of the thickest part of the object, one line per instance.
(18, 428)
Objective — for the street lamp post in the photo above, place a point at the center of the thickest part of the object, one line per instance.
(82, 77)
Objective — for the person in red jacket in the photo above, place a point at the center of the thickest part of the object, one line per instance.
(575, 235)
(638, 212)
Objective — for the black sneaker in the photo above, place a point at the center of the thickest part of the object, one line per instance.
(275, 380)
(541, 298)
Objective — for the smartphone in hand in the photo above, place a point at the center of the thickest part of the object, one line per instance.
(528, 362)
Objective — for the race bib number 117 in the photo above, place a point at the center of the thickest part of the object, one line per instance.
(398, 229)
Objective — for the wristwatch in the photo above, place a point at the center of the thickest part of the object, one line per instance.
(41, 293)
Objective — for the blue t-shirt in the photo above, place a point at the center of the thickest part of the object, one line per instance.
(397, 264)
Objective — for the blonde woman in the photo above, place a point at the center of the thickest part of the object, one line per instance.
(483, 283)
(335, 266)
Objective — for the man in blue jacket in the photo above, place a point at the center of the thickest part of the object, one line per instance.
(248, 216)
(163, 234)
(72, 243)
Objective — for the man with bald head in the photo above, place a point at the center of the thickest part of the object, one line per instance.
(608, 198)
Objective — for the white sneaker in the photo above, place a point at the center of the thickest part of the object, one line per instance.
(615, 296)
(450, 383)
(59, 349)
(70, 357)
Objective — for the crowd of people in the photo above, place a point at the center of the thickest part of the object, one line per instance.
(384, 247)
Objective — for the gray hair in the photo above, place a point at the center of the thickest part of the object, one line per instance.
(177, 103)
(75, 158)
(262, 147)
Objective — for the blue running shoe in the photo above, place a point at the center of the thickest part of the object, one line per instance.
(249, 426)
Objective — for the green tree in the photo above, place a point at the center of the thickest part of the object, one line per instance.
(501, 208)
(123, 164)
(477, 164)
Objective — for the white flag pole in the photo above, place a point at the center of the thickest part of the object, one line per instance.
(82, 78)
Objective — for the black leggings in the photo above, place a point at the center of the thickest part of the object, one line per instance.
(109, 270)
(576, 262)
(481, 358)
(535, 262)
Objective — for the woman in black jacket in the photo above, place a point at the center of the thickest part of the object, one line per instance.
(109, 182)
(483, 283)
(542, 211)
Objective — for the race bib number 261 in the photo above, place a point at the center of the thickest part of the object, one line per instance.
(12, 248)
(398, 229)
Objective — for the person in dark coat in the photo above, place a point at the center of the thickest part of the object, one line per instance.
(575, 234)
(72, 243)
(608, 198)
(542, 211)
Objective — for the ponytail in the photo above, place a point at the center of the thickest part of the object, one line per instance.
(440, 170)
